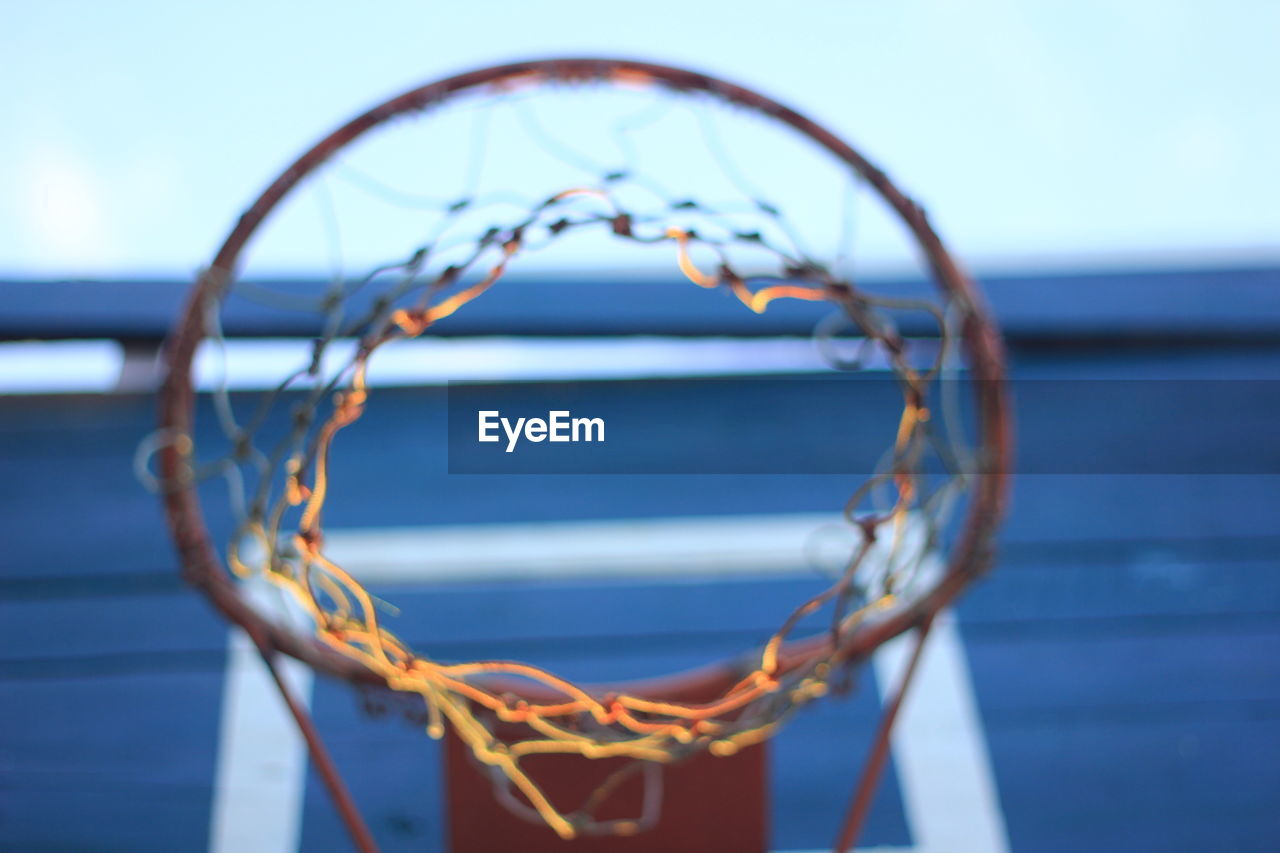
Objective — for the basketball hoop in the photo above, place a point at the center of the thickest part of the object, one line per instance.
(906, 561)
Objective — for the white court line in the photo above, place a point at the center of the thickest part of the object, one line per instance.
(60, 367)
(939, 750)
(630, 548)
(261, 775)
(255, 364)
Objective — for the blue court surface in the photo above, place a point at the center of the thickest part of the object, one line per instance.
(1113, 684)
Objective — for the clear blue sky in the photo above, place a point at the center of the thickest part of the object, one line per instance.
(134, 132)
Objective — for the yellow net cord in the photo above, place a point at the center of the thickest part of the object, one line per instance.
(346, 617)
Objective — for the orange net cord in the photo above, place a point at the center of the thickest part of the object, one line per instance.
(346, 616)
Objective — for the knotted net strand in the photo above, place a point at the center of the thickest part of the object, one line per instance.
(733, 238)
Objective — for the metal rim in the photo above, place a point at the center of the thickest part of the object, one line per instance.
(970, 555)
